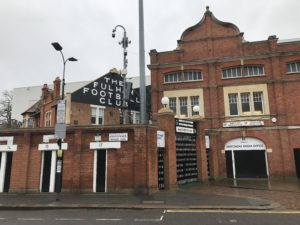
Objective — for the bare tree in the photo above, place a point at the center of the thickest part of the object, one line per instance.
(5, 109)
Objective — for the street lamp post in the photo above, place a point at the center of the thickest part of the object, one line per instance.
(58, 47)
(60, 123)
(125, 42)
(143, 97)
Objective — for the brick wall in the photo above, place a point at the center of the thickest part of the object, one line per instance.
(130, 168)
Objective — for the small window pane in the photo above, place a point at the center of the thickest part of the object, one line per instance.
(257, 100)
(233, 107)
(172, 104)
(194, 101)
(183, 106)
(245, 97)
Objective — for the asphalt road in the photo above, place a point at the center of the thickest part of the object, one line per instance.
(147, 217)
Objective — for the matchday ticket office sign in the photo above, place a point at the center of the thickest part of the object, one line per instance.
(107, 91)
(247, 144)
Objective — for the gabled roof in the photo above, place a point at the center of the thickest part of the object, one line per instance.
(34, 109)
(207, 26)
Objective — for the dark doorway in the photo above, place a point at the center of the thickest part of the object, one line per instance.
(101, 171)
(297, 161)
(9, 156)
(229, 169)
(46, 171)
(250, 164)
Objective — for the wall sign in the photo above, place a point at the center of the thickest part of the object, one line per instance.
(107, 91)
(251, 123)
(52, 146)
(246, 144)
(46, 146)
(104, 145)
(161, 143)
(118, 137)
(9, 147)
(185, 126)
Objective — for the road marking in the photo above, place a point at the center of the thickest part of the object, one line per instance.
(69, 219)
(31, 219)
(149, 220)
(230, 211)
(108, 219)
(3, 218)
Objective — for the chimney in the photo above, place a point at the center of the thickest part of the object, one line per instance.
(56, 88)
(45, 91)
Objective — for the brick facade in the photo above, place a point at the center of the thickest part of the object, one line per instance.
(209, 47)
(133, 167)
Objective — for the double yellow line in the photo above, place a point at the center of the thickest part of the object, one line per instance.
(232, 211)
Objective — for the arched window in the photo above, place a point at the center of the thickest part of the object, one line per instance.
(243, 71)
(183, 76)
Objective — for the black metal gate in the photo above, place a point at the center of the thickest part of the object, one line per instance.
(160, 166)
(186, 155)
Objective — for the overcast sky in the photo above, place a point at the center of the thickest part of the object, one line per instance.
(84, 27)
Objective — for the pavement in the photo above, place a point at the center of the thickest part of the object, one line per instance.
(223, 194)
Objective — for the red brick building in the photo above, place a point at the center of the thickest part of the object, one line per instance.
(248, 121)
(247, 93)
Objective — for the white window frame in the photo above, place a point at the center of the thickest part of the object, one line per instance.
(291, 65)
(48, 119)
(257, 88)
(243, 71)
(194, 101)
(251, 104)
(98, 114)
(135, 116)
(189, 94)
(183, 103)
(183, 76)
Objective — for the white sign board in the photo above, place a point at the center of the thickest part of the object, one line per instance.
(52, 146)
(207, 142)
(9, 139)
(185, 130)
(118, 137)
(251, 123)
(61, 112)
(246, 144)
(185, 126)
(8, 148)
(47, 138)
(98, 138)
(104, 145)
(161, 143)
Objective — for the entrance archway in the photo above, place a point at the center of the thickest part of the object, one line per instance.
(246, 158)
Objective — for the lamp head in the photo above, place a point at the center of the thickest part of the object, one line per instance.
(72, 59)
(57, 46)
(165, 101)
(196, 108)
